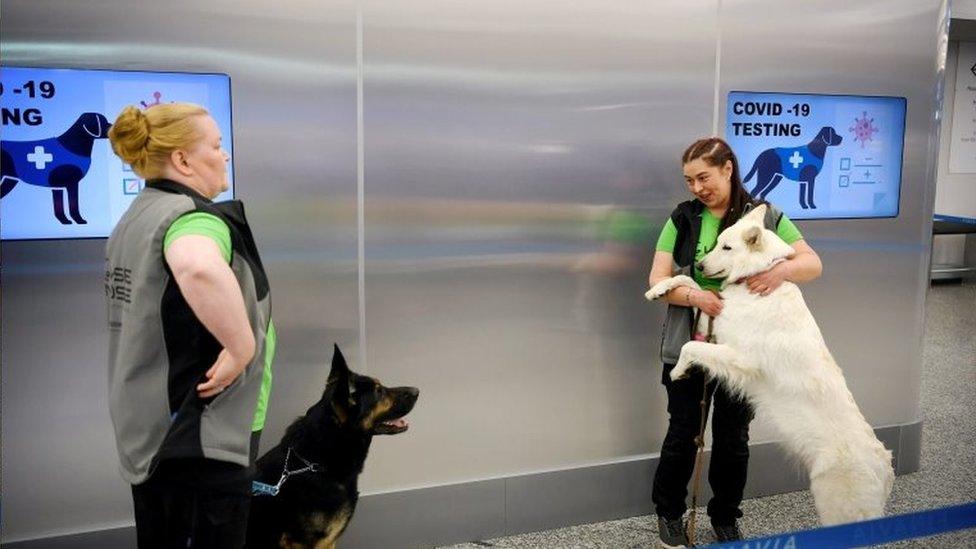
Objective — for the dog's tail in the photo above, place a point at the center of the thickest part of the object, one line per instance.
(752, 172)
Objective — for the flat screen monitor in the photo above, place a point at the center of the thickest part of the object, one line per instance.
(61, 179)
(819, 156)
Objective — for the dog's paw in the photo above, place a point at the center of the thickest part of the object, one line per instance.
(678, 375)
(658, 290)
(680, 370)
(651, 295)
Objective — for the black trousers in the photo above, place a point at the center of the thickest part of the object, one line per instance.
(193, 503)
(730, 448)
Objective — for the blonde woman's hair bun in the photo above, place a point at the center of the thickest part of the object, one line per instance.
(146, 139)
(129, 136)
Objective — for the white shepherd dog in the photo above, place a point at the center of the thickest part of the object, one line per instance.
(771, 350)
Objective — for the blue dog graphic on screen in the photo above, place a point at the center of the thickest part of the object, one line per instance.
(58, 163)
(800, 164)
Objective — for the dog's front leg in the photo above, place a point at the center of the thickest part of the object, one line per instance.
(719, 361)
(660, 289)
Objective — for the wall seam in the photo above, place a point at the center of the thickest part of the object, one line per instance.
(360, 191)
(718, 65)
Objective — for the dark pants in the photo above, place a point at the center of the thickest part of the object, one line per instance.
(195, 503)
(730, 449)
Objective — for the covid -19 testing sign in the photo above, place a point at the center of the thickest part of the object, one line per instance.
(60, 176)
(819, 156)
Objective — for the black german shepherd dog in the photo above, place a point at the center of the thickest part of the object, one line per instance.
(330, 442)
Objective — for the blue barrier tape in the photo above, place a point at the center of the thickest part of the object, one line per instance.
(869, 532)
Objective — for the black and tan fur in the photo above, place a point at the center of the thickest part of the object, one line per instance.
(313, 509)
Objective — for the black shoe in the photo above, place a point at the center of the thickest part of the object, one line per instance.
(673, 533)
(727, 532)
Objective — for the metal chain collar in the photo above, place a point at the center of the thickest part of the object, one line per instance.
(262, 489)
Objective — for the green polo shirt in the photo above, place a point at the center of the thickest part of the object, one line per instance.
(709, 236)
(211, 226)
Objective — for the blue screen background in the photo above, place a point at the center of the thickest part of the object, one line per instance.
(108, 186)
(858, 178)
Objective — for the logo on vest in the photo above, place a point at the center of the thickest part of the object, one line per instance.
(118, 284)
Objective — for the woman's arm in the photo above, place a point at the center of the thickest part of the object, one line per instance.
(682, 296)
(210, 288)
(803, 266)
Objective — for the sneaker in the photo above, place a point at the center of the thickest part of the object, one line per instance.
(672, 532)
(727, 532)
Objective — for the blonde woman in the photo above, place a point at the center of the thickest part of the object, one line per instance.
(190, 333)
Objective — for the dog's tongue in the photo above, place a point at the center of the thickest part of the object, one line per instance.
(402, 422)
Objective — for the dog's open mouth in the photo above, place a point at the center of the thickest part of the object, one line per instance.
(392, 426)
(394, 422)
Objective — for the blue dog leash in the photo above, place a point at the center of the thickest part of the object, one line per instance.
(262, 489)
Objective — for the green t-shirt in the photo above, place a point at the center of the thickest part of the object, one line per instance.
(209, 225)
(709, 236)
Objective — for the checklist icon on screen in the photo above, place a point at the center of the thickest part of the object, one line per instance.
(131, 185)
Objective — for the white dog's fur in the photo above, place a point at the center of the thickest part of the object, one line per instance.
(771, 350)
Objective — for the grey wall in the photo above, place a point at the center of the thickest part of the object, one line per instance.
(520, 158)
(955, 192)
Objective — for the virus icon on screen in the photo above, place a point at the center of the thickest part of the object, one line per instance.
(863, 129)
(156, 95)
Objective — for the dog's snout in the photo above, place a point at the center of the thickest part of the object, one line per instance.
(408, 395)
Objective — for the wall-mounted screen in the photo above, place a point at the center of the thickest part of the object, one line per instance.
(60, 176)
(820, 156)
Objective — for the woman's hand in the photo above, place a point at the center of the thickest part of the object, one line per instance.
(708, 302)
(224, 371)
(766, 282)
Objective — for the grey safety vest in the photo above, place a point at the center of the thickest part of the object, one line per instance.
(687, 221)
(159, 351)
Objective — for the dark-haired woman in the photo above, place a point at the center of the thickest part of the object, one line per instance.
(711, 172)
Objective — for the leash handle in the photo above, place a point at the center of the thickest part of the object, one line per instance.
(709, 337)
(262, 489)
(700, 439)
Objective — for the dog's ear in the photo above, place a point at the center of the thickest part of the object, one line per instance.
(757, 214)
(339, 374)
(339, 387)
(753, 238)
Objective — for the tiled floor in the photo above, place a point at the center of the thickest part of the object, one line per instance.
(948, 468)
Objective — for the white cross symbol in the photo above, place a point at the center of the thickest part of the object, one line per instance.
(796, 159)
(39, 157)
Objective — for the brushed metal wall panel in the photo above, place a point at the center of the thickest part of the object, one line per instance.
(521, 159)
(430, 517)
(293, 80)
(870, 301)
(481, 510)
